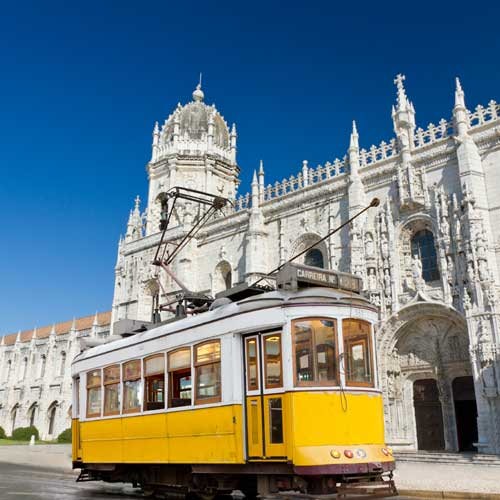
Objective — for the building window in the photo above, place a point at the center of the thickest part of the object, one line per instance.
(32, 414)
(154, 382)
(422, 245)
(357, 352)
(315, 351)
(94, 393)
(25, 368)
(43, 364)
(179, 372)
(9, 369)
(314, 257)
(207, 363)
(132, 386)
(272, 360)
(52, 418)
(62, 366)
(111, 390)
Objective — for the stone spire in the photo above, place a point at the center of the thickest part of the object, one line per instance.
(354, 151)
(233, 138)
(134, 225)
(34, 334)
(460, 115)
(255, 191)
(255, 247)
(403, 115)
(412, 185)
(261, 182)
(18, 337)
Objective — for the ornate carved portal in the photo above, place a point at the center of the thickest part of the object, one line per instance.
(423, 350)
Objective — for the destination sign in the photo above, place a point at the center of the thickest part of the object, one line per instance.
(294, 276)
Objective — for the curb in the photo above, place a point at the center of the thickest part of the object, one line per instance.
(42, 467)
(449, 494)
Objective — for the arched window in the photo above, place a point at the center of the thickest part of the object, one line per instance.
(223, 278)
(43, 363)
(422, 245)
(9, 369)
(52, 417)
(314, 257)
(14, 416)
(63, 364)
(25, 368)
(32, 414)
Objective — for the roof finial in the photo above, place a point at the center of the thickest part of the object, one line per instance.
(198, 94)
(137, 202)
(402, 99)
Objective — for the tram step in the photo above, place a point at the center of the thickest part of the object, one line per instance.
(443, 457)
(371, 489)
(84, 476)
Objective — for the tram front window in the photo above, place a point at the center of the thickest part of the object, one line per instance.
(357, 352)
(315, 345)
(179, 371)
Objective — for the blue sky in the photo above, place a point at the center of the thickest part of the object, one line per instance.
(81, 84)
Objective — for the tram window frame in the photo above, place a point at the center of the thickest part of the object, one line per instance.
(365, 340)
(198, 365)
(93, 383)
(255, 362)
(279, 384)
(107, 384)
(175, 376)
(131, 378)
(157, 375)
(313, 354)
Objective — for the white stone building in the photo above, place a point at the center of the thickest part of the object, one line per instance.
(429, 255)
(35, 373)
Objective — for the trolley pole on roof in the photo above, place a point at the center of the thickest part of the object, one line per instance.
(184, 301)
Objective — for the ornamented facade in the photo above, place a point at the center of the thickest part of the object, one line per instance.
(429, 256)
(35, 373)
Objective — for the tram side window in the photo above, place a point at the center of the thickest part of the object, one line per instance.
(252, 365)
(272, 360)
(207, 372)
(179, 378)
(358, 352)
(315, 347)
(94, 393)
(154, 382)
(132, 386)
(112, 390)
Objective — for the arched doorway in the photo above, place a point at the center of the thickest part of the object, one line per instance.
(422, 349)
(464, 399)
(428, 415)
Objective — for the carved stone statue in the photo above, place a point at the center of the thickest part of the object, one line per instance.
(372, 279)
(369, 247)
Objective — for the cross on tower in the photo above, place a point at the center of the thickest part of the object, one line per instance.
(399, 81)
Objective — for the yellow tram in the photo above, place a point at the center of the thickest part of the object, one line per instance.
(272, 392)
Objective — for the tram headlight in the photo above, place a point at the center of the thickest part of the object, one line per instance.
(385, 451)
(348, 453)
(335, 454)
(360, 453)
(390, 450)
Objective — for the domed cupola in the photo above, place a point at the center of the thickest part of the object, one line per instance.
(195, 129)
(194, 148)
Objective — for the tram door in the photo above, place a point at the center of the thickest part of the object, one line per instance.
(264, 397)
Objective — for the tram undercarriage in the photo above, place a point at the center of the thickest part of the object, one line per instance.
(252, 479)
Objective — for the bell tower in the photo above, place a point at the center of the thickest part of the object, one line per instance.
(194, 148)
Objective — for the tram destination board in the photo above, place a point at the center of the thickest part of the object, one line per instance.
(294, 276)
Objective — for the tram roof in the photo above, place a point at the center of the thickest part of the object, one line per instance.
(313, 295)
